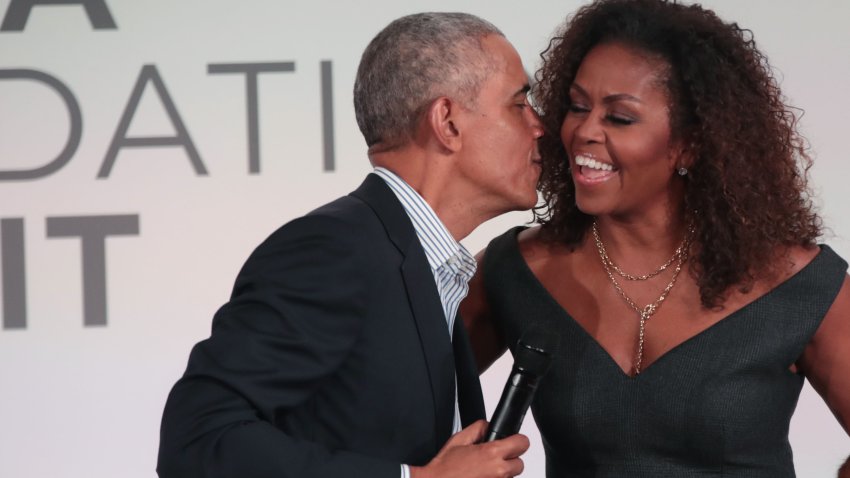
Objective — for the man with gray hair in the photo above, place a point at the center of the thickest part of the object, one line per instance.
(339, 353)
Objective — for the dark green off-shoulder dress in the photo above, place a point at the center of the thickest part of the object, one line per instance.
(718, 405)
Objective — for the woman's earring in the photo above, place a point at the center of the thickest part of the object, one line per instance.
(682, 171)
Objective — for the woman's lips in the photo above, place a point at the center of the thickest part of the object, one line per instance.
(591, 171)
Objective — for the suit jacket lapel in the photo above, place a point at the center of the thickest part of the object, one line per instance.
(423, 297)
(434, 337)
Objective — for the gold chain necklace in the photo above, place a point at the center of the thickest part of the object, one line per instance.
(603, 253)
(649, 310)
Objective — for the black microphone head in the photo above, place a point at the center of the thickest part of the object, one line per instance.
(534, 351)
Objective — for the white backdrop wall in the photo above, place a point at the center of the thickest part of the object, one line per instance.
(83, 398)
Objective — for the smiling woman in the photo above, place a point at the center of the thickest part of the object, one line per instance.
(676, 254)
(617, 133)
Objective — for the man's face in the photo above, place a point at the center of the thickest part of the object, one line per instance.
(499, 156)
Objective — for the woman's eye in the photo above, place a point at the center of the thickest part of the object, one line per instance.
(620, 120)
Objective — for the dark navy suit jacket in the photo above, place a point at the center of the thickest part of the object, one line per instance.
(332, 358)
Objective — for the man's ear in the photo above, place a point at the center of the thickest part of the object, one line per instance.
(441, 119)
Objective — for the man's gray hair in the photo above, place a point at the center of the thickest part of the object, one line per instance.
(413, 61)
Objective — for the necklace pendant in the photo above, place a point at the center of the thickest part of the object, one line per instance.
(680, 256)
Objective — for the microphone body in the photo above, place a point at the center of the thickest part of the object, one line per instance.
(532, 360)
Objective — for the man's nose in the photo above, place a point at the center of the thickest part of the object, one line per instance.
(535, 124)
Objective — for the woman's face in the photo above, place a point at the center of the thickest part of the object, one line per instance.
(617, 134)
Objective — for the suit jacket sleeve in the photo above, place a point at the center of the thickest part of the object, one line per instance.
(297, 308)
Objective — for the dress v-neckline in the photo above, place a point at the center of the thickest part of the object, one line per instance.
(692, 339)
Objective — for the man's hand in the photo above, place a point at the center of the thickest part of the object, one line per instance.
(462, 457)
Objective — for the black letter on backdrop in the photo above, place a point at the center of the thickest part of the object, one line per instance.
(120, 140)
(251, 70)
(92, 231)
(13, 273)
(76, 120)
(19, 11)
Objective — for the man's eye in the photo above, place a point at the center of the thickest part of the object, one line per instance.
(575, 108)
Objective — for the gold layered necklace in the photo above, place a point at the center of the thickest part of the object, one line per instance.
(680, 256)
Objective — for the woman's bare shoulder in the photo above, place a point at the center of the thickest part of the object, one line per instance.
(537, 249)
(800, 256)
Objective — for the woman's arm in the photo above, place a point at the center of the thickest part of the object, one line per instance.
(826, 361)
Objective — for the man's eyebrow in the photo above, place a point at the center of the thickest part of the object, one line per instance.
(523, 91)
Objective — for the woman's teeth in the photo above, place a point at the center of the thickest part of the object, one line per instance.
(592, 163)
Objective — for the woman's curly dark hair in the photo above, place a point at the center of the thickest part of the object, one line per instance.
(747, 182)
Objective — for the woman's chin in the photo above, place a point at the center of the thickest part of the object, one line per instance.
(592, 207)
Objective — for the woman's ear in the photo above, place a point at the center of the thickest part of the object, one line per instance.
(682, 157)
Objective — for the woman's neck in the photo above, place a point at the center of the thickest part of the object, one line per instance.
(641, 244)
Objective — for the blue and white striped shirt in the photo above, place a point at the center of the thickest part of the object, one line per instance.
(452, 265)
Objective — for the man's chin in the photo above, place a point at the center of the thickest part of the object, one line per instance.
(527, 203)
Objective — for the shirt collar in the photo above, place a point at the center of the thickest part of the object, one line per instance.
(440, 247)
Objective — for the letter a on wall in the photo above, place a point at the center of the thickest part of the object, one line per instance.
(150, 74)
(19, 11)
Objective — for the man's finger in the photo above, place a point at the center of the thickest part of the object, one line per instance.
(469, 435)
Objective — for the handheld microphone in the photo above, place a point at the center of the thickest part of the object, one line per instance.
(531, 361)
